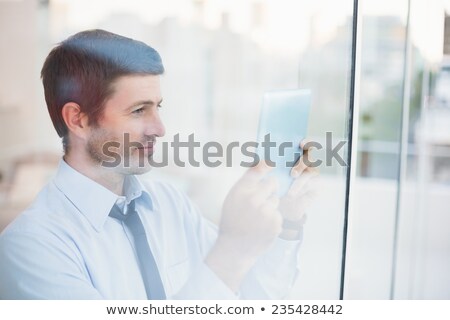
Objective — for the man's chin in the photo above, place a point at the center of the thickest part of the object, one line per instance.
(132, 167)
(139, 170)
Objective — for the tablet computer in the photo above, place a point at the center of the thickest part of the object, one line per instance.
(282, 126)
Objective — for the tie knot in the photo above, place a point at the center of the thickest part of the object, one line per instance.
(119, 214)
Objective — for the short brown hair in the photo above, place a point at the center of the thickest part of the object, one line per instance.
(82, 68)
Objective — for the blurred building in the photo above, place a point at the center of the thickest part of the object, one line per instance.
(447, 34)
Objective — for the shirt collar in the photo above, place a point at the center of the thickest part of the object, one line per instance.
(92, 199)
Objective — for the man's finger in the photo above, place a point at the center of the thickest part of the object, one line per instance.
(299, 167)
(305, 164)
(305, 144)
(312, 170)
(272, 203)
(305, 160)
(303, 184)
(265, 190)
(256, 173)
(305, 201)
(268, 187)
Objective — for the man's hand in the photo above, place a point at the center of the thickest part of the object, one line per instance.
(253, 217)
(302, 192)
(250, 223)
(250, 217)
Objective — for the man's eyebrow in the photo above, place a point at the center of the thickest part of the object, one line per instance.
(144, 102)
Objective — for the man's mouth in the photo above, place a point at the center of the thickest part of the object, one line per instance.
(147, 146)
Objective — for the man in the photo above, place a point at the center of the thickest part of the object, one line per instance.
(98, 232)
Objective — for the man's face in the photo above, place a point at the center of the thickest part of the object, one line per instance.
(129, 125)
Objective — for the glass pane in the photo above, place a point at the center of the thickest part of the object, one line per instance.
(372, 222)
(325, 68)
(399, 228)
(220, 57)
(423, 233)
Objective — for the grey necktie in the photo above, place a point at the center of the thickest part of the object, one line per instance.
(147, 264)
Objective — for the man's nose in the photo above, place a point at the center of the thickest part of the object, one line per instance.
(155, 126)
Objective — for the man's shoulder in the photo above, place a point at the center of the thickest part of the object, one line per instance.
(39, 215)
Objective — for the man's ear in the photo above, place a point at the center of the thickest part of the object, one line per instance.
(76, 121)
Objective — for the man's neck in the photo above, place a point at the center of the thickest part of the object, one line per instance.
(106, 177)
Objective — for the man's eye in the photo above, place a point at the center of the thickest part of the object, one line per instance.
(137, 111)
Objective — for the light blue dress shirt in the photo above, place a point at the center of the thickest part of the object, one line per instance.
(65, 246)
